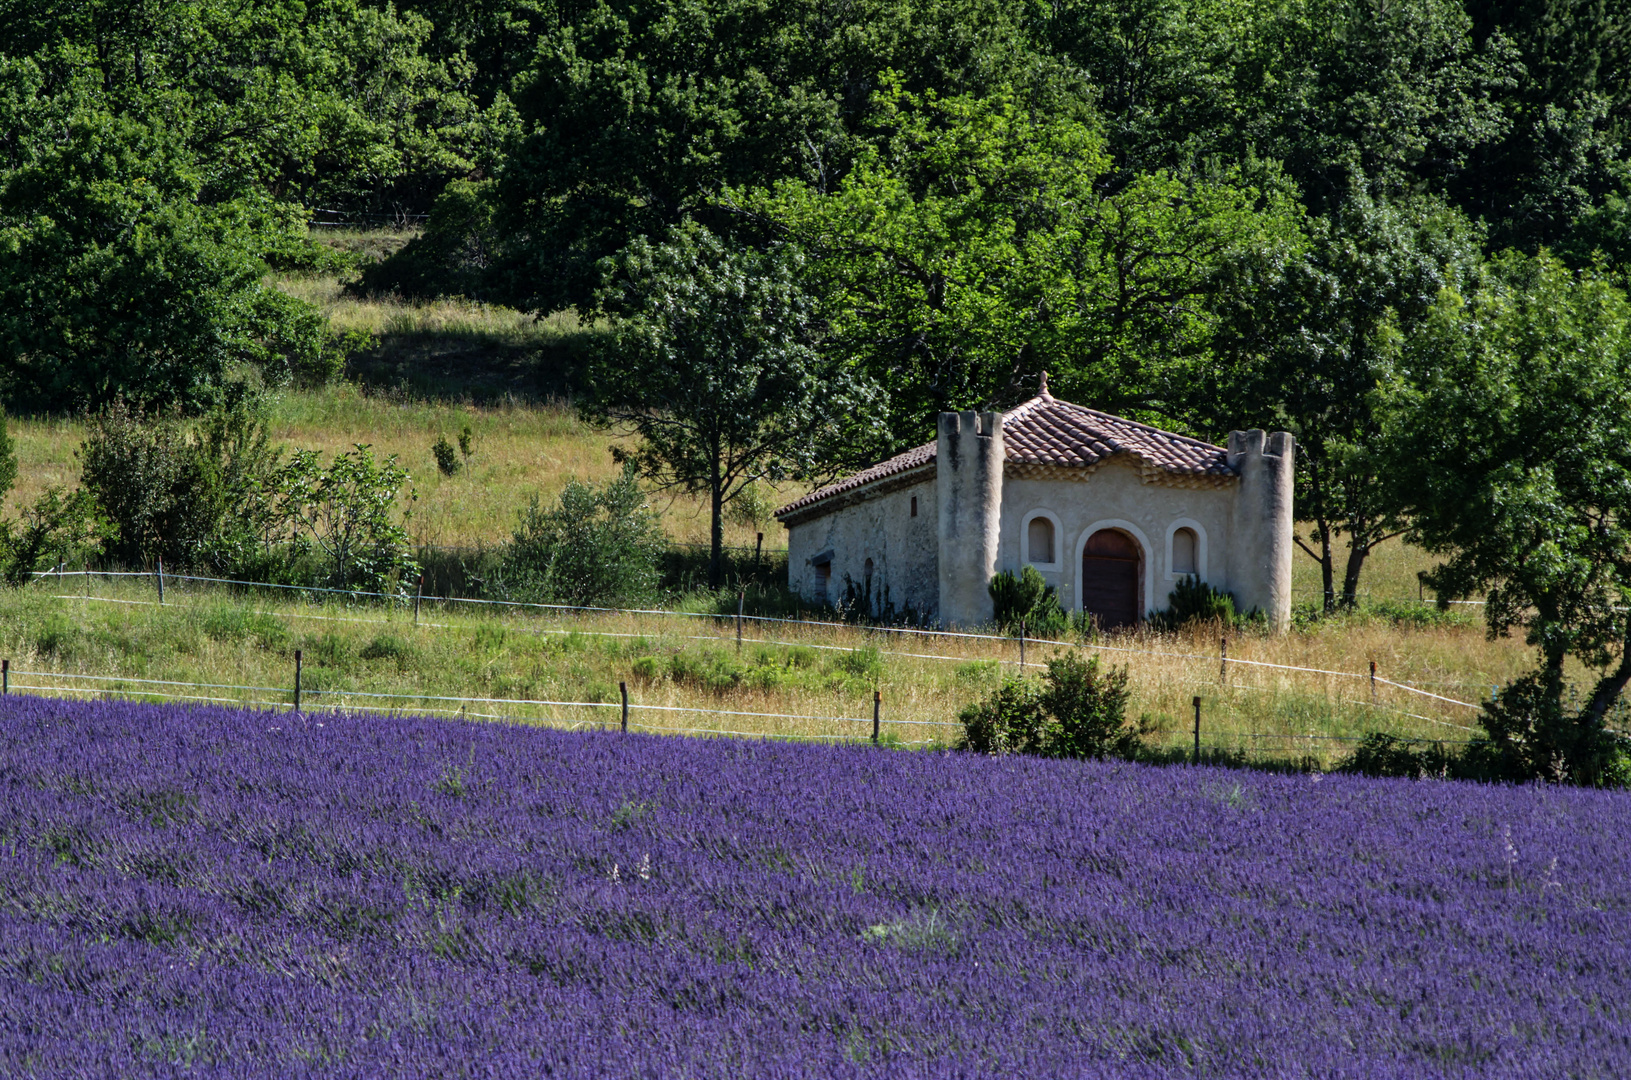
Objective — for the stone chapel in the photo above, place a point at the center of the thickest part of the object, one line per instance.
(1113, 513)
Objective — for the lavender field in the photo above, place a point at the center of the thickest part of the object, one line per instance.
(201, 892)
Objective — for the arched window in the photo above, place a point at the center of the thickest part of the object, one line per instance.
(914, 506)
(1039, 541)
(1184, 545)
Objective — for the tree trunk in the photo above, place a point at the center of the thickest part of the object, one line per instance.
(1327, 567)
(1357, 553)
(716, 534)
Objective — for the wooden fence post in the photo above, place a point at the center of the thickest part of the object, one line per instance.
(1022, 648)
(757, 546)
(297, 680)
(417, 598)
(1197, 729)
(877, 707)
(161, 581)
(1373, 682)
(5, 676)
(741, 600)
(1223, 660)
(623, 688)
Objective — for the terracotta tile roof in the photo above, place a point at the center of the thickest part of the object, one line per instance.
(1046, 433)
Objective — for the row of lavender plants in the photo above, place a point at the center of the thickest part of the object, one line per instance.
(207, 892)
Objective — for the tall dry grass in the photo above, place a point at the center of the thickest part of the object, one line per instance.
(202, 635)
(521, 450)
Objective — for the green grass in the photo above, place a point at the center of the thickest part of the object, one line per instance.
(206, 636)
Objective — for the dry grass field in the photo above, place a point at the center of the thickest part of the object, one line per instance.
(351, 650)
(520, 450)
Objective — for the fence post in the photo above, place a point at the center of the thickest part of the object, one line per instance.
(1373, 682)
(161, 581)
(297, 680)
(757, 545)
(877, 707)
(623, 688)
(87, 580)
(5, 676)
(1197, 729)
(1022, 648)
(741, 599)
(1223, 660)
(59, 572)
(417, 597)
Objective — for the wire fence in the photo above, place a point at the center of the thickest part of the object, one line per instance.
(289, 699)
(345, 699)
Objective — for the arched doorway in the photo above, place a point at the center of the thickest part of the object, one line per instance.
(1112, 568)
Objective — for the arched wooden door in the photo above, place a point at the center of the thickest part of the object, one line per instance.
(1112, 565)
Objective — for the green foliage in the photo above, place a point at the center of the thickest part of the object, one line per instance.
(638, 114)
(1507, 448)
(1311, 336)
(116, 280)
(762, 668)
(349, 512)
(1076, 710)
(57, 527)
(207, 496)
(1532, 733)
(1195, 601)
(598, 546)
(8, 459)
(1027, 600)
(447, 462)
(978, 236)
(450, 257)
(1380, 754)
(711, 361)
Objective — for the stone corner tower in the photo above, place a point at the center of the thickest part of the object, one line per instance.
(968, 488)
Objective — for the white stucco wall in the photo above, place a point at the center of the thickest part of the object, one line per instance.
(1115, 496)
(881, 528)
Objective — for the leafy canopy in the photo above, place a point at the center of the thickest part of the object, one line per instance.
(972, 245)
(712, 362)
(1508, 445)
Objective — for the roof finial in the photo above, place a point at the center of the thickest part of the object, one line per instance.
(1044, 389)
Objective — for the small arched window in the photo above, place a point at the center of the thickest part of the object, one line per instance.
(1039, 541)
(914, 506)
(1183, 552)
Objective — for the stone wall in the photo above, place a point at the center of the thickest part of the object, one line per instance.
(902, 548)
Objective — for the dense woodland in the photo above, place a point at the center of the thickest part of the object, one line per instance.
(1400, 229)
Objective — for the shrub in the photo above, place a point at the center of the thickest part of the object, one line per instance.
(597, 547)
(348, 511)
(1026, 600)
(209, 496)
(447, 462)
(1530, 734)
(1195, 601)
(1075, 710)
(1381, 754)
(57, 527)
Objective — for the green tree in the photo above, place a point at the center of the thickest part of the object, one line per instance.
(712, 362)
(1305, 340)
(116, 280)
(1507, 448)
(973, 248)
(636, 115)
